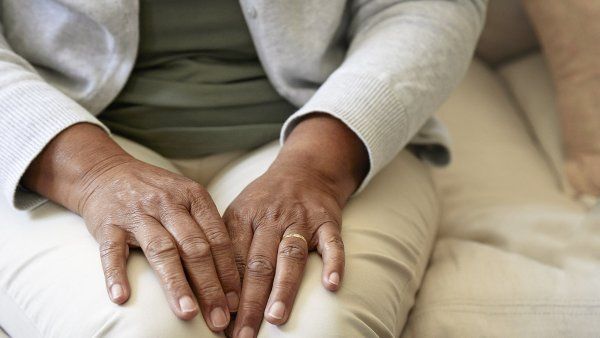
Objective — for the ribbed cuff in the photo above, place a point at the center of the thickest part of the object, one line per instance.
(32, 113)
(369, 107)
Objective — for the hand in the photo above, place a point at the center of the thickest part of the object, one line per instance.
(126, 202)
(293, 208)
(174, 221)
(283, 202)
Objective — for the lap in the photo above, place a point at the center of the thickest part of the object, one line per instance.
(388, 231)
(51, 281)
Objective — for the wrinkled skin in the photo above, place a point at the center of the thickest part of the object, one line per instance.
(176, 224)
(285, 200)
(263, 238)
(303, 193)
(126, 202)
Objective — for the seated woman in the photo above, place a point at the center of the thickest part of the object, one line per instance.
(348, 85)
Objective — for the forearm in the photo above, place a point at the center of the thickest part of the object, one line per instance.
(326, 145)
(60, 170)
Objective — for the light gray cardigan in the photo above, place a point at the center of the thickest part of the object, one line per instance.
(380, 66)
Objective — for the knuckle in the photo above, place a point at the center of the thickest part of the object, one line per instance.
(294, 252)
(160, 246)
(202, 206)
(196, 189)
(210, 291)
(238, 213)
(197, 193)
(320, 210)
(100, 227)
(260, 266)
(251, 307)
(300, 212)
(228, 276)
(174, 284)
(335, 243)
(112, 273)
(194, 248)
(218, 240)
(286, 285)
(109, 247)
(322, 214)
(153, 198)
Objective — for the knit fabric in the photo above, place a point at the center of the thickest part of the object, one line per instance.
(380, 66)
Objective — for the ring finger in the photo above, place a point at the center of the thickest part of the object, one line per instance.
(291, 260)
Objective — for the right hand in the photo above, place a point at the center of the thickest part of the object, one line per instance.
(126, 202)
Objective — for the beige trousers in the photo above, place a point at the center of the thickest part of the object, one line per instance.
(51, 282)
(515, 255)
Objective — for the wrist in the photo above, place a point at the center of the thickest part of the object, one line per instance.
(326, 146)
(70, 161)
(337, 185)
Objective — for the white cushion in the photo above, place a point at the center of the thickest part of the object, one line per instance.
(515, 256)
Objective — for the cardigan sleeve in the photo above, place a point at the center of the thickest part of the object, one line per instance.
(32, 113)
(403, 60)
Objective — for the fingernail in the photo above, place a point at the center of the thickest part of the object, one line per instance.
(246, 332)
(218, 317)
(232, 301)
(187, 304)
(116, 291)
(334, 278)
(277, 310)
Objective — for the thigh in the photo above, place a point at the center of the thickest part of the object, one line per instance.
(388, 231)
(51, 281)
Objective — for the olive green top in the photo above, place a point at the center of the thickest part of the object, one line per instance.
(197, 87)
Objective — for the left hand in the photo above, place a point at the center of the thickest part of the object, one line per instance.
(293, 208)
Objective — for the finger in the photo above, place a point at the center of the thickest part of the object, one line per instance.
(240, 232)
(113, 255)
(291, 260)
(205, 213)
(331, 248)
(197, 258)
(162, 254)
(258, 278)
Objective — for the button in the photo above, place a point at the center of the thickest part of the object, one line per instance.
(252, 12)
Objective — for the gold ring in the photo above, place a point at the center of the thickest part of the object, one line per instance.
(296, 236)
